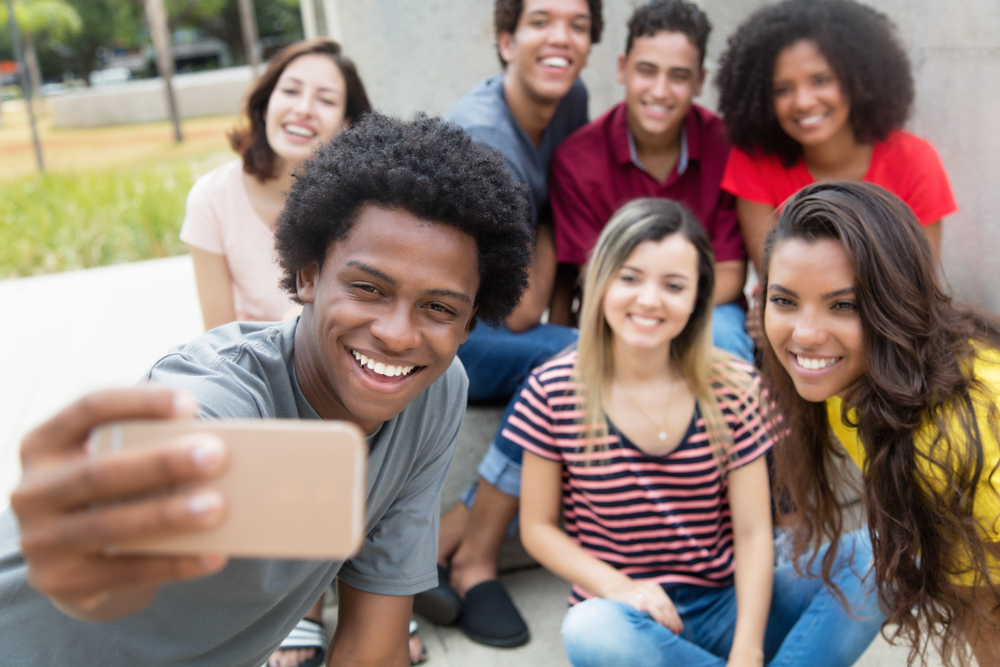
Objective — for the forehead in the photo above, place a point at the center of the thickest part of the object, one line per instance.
(806, 266)
(565, 8)
(667, 49)
(673, 254)
(315, 68)
(410, 250)
(803, 55)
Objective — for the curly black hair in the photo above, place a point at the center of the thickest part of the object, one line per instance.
(861, 46)
(506, 14)
(428, 167)
(658, 16)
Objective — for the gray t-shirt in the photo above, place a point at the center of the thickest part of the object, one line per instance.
(239, 616)
(484, 114)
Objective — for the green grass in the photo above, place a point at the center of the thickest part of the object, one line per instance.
(59, 222)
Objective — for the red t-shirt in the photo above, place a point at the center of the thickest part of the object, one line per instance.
(593, 175)
(903, 164)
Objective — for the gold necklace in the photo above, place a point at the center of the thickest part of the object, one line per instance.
(662, 430)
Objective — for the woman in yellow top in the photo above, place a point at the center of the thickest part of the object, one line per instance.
(864, 344)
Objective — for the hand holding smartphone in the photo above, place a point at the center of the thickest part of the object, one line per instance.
(293, 488)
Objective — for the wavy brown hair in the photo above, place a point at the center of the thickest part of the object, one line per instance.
(919, 347)
(249, 138)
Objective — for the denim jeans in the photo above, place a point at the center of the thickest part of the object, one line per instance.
(497, 360)
(806, 627)
(729, 331)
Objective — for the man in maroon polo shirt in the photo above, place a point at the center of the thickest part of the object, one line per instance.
(657, 143)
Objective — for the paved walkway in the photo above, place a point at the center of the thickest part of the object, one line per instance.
(73, 332)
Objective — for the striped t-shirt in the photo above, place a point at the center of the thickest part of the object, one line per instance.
(663, 518)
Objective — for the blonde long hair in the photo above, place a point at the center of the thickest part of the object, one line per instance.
(705, 368)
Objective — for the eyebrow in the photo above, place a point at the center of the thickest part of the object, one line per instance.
(333, 89)
(665, 275)
(546, 12)
(371, 270)
(825, 297)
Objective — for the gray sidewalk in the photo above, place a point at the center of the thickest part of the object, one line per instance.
(69, 333)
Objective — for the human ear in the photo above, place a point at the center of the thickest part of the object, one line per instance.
(505, 44)
(621, 68)
(305, 282)
(700, 82)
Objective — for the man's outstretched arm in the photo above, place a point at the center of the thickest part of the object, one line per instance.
(64, 530)
(372, 630)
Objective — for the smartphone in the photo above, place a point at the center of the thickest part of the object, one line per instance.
(294, 488)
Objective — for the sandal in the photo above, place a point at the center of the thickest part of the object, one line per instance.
(306, 634)
(423, 650)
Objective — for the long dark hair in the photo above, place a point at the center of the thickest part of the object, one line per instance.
(915, 408)
(249, 139)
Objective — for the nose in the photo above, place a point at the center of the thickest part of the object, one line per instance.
(660, 86)
(304, 104)
(396, 329)
(647, 295)
(558, 32)
(809, 332)
(804, 97)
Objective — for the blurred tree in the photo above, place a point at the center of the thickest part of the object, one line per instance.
(54, 20)
(106, 24)
(221, 19)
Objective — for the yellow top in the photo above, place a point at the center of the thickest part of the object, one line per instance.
(987, 501)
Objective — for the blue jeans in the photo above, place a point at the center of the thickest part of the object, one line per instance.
(806, 626)
(729, 331)
(497, 360)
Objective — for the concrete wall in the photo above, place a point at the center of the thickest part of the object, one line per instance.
(214, 93)
(424, 54)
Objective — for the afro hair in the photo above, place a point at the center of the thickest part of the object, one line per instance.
(861, 46)
(427, 167)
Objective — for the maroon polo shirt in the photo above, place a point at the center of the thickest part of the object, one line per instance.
(594, 173)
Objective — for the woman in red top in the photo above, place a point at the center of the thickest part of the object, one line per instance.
(818, 90)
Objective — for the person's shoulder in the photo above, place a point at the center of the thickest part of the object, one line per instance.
(557, 372)
(211, 188)
(232, 370)
(902, 146)
(588, 140)
(712, 129)
(482, 106)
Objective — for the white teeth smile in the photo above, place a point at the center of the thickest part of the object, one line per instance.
(816, 364)
(299, 131)
(645, 321)
(656, 108)
(555, 61)
(381, 368)
(812, 120)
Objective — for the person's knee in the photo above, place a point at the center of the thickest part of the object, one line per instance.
(605, 632)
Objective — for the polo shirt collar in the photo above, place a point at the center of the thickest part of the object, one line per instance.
(682, 162)
(690, 139)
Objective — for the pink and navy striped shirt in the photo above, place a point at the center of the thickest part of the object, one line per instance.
(663, 518)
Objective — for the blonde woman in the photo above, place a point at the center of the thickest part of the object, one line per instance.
(650, 444)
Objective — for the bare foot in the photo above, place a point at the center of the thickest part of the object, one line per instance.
(291, 657)
(418, 653)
